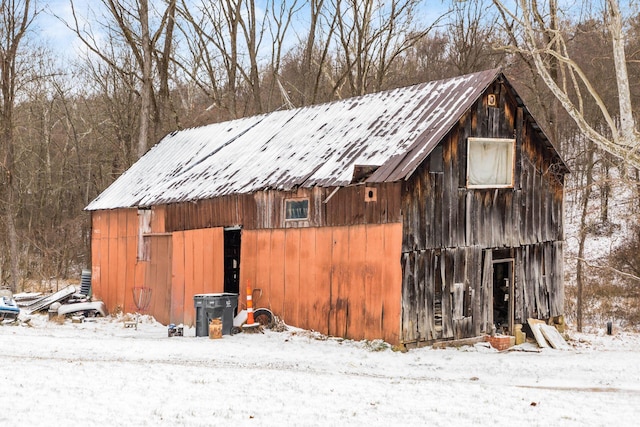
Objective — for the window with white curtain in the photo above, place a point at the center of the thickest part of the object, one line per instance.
(490, 162)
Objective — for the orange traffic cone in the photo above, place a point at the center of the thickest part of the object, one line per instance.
(251, 323)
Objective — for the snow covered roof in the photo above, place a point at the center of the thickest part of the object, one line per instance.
(318, 145)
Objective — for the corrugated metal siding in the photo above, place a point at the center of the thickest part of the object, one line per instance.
(306, 147)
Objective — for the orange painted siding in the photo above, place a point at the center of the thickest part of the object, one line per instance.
(182, 264)
(113, 252)
(178, 302)
(198, 267)
(342, 281)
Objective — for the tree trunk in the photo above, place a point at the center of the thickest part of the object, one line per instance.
(147, 80)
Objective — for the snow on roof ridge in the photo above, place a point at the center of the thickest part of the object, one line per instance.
(265, 151)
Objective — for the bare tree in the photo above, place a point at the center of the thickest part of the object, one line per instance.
(130, 21)
(16, 18)
(372, 35)
(542, 41)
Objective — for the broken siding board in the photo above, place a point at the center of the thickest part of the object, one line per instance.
(475, 278)
(535, 326)
(429, 303)
(409, 307)
(420, 301)
(518, 290)
(530, 285)
(557, 289)
(446, 272)
(437, 203)
(553, 337)
(487, 293)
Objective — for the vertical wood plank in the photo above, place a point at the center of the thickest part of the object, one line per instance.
(339, 282)
(356, 283)
(392, 279)
(121, 242)
(189, 277)
(373, 284)
(292, 276)
(112, 269)
(276, 277)
(263, 268)
(307, 280)
(487, 293)
(208, 259)
(177, 280)
(198, 260)
(321, 296)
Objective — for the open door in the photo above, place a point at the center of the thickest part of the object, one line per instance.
(503, 295)
(232, 238)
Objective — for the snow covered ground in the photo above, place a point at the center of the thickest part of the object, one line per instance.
(101, 373)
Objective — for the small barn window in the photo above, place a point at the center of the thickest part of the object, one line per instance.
(490, 162)
(436, 164)
(296, 209)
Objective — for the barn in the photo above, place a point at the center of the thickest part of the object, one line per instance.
(421, 214)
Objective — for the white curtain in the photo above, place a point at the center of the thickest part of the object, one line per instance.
(490, 162)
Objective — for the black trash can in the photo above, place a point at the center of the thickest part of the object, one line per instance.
(212, 306)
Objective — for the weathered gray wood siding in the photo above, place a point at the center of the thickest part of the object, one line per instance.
(450, 231)
(265, 209)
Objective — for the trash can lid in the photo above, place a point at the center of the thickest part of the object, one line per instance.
(222, 294)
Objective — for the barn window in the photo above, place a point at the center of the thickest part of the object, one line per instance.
(490, 162)
(296, 209)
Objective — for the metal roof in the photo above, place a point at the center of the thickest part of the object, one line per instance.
(312, 146)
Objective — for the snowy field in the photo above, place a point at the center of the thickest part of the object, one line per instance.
(100, 373)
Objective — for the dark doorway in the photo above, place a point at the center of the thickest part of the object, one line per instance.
(232, 260)
(503, 296)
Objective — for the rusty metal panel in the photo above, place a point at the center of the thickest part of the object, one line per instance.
(393, 131)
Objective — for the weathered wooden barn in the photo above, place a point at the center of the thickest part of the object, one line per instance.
(418, 214)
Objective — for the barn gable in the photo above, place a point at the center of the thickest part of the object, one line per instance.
(356, 218)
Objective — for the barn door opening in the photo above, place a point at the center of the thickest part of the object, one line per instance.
(503, 295)
(232, 260)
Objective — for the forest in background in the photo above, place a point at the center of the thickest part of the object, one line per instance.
(73, 118)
